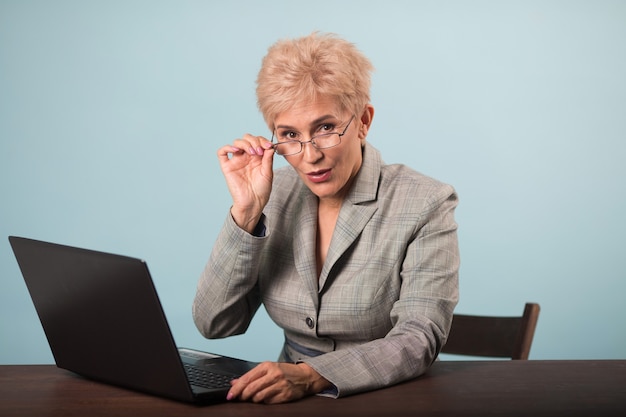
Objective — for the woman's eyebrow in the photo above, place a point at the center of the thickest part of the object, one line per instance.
(313, 123)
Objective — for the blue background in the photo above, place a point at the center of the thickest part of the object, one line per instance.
(111, 113)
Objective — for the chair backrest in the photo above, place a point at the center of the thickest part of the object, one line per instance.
(498, 337)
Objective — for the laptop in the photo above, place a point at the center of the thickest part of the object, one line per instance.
(103, 320)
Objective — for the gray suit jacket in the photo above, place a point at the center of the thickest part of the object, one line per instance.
(381, 309)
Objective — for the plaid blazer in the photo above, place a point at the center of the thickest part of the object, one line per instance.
(380, 310)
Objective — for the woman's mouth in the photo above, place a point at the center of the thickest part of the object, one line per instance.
(319, 176)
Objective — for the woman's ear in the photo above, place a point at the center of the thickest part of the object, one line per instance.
(366, 121)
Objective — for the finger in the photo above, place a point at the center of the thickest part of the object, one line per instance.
(235, 390)
(268, 160)
(260, 383)
(244, 390)
(269, 386)
(254, 145)
(248, 144)
(227, 153)
(239, 385)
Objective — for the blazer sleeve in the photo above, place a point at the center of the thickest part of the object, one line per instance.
(227, 295)
(421, 316)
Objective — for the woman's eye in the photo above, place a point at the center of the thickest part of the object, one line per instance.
(288, 135)
(327, 127)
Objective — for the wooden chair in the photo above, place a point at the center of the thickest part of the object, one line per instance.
(498, 337)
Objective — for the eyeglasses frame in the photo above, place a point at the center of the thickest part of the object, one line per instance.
(312, 140)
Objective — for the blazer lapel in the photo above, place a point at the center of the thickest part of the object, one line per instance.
(355, 212)
(304, 241)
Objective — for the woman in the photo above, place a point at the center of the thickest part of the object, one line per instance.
(357, 261)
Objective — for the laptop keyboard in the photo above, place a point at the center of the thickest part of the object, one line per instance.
(206, 379)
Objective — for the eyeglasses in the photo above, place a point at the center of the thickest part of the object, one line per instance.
(321, 141)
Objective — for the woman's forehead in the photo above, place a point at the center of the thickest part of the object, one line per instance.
(307, 113)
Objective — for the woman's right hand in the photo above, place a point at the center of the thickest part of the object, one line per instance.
(247, 167)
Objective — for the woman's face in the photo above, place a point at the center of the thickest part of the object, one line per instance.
(327, 172)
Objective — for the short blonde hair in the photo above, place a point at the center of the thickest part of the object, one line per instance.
(307, 68)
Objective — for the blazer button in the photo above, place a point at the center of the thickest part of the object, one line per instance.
(310, 322)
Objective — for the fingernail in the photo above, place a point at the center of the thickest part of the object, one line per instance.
(229, 396)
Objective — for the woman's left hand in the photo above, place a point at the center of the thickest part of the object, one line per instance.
(276, 382)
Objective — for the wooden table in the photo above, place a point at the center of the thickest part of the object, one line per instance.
(465, 388)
